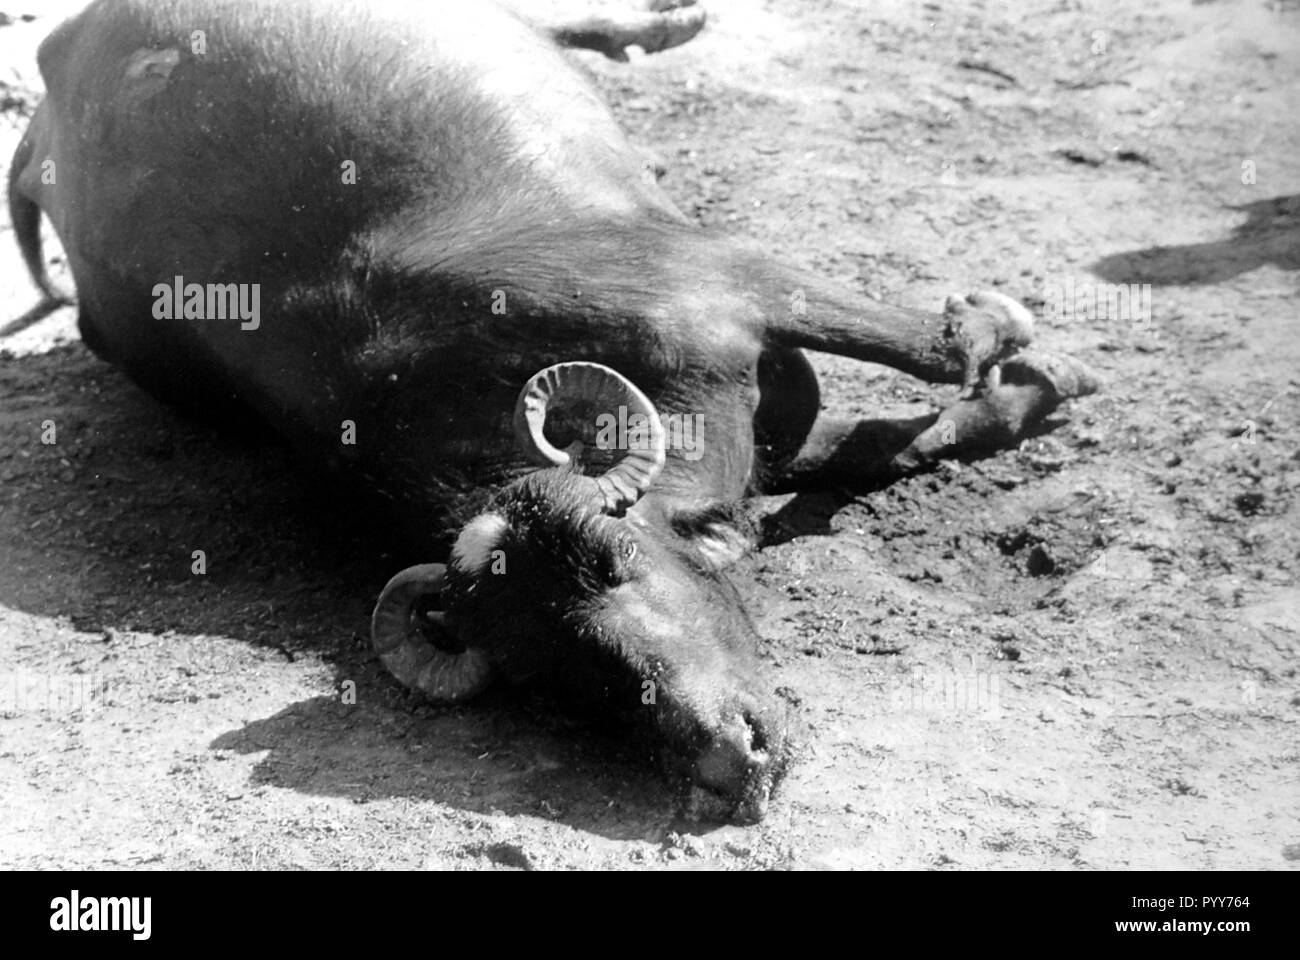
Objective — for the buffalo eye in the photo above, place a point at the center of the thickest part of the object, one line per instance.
(621, 561)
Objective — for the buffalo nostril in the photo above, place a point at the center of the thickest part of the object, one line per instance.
(728, 765)
(757, 732)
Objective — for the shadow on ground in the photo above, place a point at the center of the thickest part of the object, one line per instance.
(505, 754)
(1271, 234)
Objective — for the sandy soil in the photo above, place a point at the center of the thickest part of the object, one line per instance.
(1078, 654)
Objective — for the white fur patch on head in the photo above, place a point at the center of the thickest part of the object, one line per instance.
(473, 550)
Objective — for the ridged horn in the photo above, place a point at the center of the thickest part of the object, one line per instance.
(399, 630)
(604, 390)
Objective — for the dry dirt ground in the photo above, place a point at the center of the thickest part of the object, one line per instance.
(1077, 654)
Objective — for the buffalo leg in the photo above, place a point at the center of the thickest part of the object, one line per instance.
(867, 453)
(787, 412)
(610, 27)
(958, 346)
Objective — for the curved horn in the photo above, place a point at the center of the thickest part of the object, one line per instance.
(398, 630)
(606, 390)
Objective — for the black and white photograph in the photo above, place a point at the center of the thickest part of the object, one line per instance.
(649, 436)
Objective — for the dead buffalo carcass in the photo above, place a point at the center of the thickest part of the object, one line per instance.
(411, 238)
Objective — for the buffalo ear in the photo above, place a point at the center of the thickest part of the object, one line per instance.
(721, 533)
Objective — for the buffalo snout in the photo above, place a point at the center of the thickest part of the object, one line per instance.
(740, 766)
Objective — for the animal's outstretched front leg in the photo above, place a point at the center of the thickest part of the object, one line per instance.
(958, 345)
(1001, 411)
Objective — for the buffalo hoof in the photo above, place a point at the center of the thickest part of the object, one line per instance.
(985, 327)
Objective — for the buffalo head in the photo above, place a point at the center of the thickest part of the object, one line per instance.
(575, 582)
